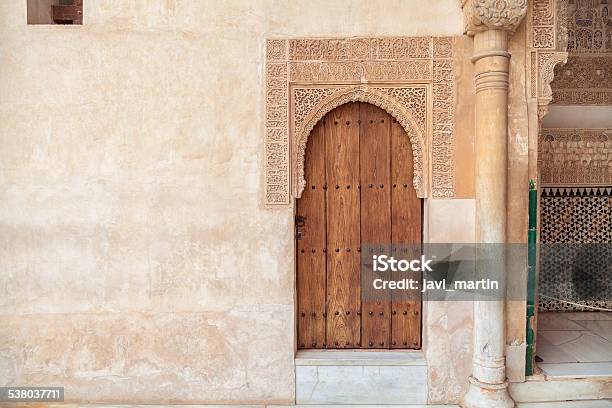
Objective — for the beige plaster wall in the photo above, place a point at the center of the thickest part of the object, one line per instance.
(448, 327)
(138, 264)
(578, 116)
(464, 119)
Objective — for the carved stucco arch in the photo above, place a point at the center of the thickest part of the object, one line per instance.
(412, 78)
(369, 95)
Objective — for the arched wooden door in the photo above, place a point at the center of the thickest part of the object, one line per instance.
(359, 171)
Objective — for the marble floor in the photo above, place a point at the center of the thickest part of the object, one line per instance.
(574, 344)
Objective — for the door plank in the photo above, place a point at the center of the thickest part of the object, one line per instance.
(406, 229)
(311, 264)
(374, 164)
(342, 169)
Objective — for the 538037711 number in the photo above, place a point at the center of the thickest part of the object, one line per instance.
(31, 394)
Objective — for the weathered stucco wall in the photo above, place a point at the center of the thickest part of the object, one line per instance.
(448, 327)
(138, 264)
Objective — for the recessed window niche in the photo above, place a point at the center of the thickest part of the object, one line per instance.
(67, 12)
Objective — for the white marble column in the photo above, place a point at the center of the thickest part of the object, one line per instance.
(491, 23)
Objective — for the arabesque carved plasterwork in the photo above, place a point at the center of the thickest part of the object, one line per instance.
(406, 104)
(586, 79)
(412, 78)
(590, 27)
(548, 28)
(549, 21)
(547, 61)
(575, 157)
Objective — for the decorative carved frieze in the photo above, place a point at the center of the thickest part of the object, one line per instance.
(584, 80)
(412, 78)
(350, 49)
(351, 71)
(443, 119)
(590, 27)
(548, 25)
(481, 15)
(575, 157)
(587, 77)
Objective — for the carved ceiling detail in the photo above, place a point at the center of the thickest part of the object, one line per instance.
(412, 78)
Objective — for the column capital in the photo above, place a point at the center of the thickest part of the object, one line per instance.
(482, 15)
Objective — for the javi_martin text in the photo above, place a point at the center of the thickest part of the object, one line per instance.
(413, 284)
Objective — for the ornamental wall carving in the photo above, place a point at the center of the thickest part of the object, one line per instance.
(575, 157)
(590, 27)
(548, 30)
(412, 78)
(492, 14)
(586, 79)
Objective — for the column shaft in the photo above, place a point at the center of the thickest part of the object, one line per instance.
(488, 387)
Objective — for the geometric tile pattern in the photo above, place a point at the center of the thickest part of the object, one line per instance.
(576, 250)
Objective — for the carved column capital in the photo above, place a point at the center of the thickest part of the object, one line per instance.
(482, 15)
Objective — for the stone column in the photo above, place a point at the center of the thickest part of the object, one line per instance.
(491, 23)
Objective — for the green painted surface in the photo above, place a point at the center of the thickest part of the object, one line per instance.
(531, 276)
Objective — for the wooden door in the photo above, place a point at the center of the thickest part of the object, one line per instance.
(359, 172)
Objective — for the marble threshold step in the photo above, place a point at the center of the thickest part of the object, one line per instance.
(558, 391)
(576, 370)
(360, 377)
